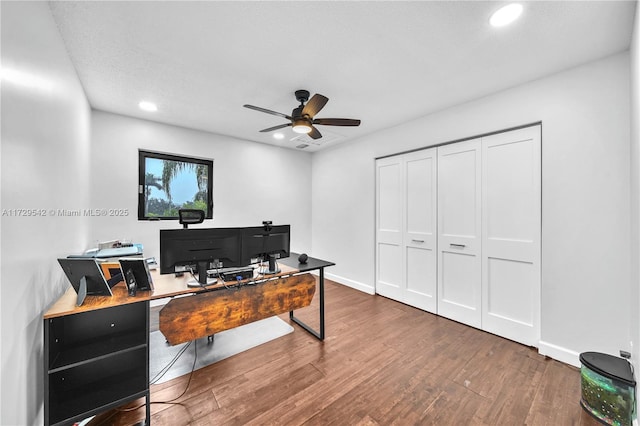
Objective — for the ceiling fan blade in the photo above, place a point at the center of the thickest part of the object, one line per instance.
(280, 126)
(268, 111)
(314, 133)
(315, 104)
(336, 122)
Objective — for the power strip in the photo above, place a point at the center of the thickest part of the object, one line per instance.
(239, 275)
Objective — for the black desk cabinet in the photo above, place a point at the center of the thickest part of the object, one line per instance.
(95, 361)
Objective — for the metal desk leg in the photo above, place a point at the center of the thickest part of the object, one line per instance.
(148, 409)
(320, 335)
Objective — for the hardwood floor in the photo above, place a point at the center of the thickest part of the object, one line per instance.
(382, 363)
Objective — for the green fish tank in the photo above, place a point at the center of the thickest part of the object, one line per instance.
(608, 388)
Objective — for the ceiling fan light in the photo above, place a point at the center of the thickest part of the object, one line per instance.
(301, 126)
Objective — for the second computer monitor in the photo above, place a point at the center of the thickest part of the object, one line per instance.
(266, 243)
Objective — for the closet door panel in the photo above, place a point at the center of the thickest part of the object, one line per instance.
(389, 225)
(457, 189)
(459, 227)
(458, 280)
(511, 234)
(509, 281)
(390, 200)
(420, 231)
(389, 280)
(421, 278)
(420, 204)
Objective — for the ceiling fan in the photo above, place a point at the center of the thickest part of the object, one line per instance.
(302, 118)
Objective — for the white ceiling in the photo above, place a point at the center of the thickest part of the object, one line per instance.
(383, 62)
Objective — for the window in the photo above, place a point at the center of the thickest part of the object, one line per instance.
(168, 182)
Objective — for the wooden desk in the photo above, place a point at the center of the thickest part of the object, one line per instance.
(164, 286)
(205, 313)
(97, 355)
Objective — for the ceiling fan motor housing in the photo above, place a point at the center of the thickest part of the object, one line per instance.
(302, 96)
(297, 113)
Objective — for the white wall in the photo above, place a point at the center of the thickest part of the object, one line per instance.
(251, 182)
(45, 155)
(635, 192)
(585, 204)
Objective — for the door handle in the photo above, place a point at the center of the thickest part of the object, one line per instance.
(458, 245)
(417, 241)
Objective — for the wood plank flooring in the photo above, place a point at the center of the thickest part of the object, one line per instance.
(382, 363)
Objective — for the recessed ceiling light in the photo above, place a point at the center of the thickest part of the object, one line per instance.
(148, 106)
(278, 136)
(506, 15)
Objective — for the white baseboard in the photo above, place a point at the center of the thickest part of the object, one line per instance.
(350, 283)
(559, 353)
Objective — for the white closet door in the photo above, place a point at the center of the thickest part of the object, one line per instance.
(511, 228)
(406, 229)
(459, 228)
(420, 234)
(389, 226)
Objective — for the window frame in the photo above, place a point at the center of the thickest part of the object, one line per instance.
(144, 154)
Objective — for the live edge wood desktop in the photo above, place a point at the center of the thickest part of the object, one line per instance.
(97, 355)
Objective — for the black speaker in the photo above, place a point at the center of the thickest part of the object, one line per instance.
(303, 258)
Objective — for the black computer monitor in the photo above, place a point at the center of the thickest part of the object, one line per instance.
(204, 248)
(266, 243)
(86, 278)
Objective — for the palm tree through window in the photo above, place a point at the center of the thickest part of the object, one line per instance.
(169, 182)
